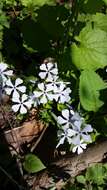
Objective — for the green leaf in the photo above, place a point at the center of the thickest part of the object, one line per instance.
(51, 19)
(95, 174)
(27, 3)
(88, 6)
(105, 1)
(100, 21)
(89, 88)
(34, 36)
(91, 52)
(33, 164)
(81, 179)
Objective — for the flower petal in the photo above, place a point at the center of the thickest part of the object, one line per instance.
(16, 98)
(61, 121)
(62, 99)
(65, 113)
(54, 78)
(8, 91)
(8, 73)
(9, 83)
(43, 67)
(86, 138)
(83, 145)
(72, 112)
(61, 141)
(88, 128)
(43, 99)
(79, 150)
(76, 140)
(67, 91)
(77, 117)
(4, 79)
(28, 104)
(42, 75)
(78, 124)
(54, 71)
(71, 132)
(49, 77)
(49, 87)
(50, 65)
(3, 66)
(15, 94)
(21, 88)
(24, 97)
(38, 94)
(23, 110)
(50, 96)
(69, 140)
(18, 81)
(41, 86)
(74, 149)
(16, 107)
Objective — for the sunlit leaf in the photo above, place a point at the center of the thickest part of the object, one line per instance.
(89, 89)
(91, 50)
(33, 164)
(96, 174)
(81, 179)
(105, 1)
(36, 2)
(100, 21)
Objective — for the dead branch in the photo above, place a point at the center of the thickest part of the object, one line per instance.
(70, 166)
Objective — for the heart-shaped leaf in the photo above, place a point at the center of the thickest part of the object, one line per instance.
(33, 164)
(91, 52)
(89, 88)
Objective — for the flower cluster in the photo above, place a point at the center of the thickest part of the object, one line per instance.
(4, 72)
(4, 76)
(16, 89)
(73, 127)
(74, 130)
(51, 88)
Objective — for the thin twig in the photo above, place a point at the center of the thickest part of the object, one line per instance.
(70, 165)
(14, 136)
(10, 177)
(39, 139)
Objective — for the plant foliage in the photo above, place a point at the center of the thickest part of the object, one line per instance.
(90, 97)
(67, 42)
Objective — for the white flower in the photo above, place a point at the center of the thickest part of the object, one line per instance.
(34, 100)
(81, 129)
(65, 133)
(4, 72)
(79, 147)
(43, 94)
(75, 130)
(76, 117)
(62, 94)
(49, 70)
(21, 104)
(53, 84)
(65, 119)
(16, 88)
